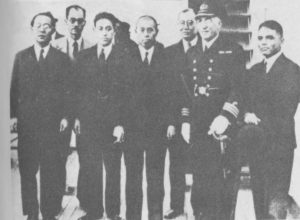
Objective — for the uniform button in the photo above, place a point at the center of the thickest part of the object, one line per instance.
(196, 94)
(194, 70)
(208, 86)
(195, 61)
(209, 69)
(207, 94)
(211, 60)
(195, 77)
(209, 77)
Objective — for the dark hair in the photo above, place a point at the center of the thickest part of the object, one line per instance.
(273, 25)
(151, 18)
(48, 14)
(108, 16)
(76, 7)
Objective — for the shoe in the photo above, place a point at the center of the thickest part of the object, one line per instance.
(173, 214)
(116, 217)
(89, 217)
(33, 217)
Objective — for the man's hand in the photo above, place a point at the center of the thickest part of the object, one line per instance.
(119, 134)
(186, 131)
(170, 132)
(13, 124)
(63, 124)
(77, 126)
(219, 125)
(251, 118)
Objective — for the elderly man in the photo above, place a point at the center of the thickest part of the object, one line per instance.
(38, 104)
(272, 96)
(176, 64)
(212, 81)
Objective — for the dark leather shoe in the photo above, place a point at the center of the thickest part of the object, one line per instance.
(70, 191)
(89, 217)
(173, 214)
(33, 217)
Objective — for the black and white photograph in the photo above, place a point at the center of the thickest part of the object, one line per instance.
(150, 110)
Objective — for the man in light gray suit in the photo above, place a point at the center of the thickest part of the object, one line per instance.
(71, 45)
(73, 42)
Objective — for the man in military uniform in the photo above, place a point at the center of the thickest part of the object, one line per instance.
(176, 58)
(215, 67)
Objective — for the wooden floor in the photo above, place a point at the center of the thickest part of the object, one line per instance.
(70, 205)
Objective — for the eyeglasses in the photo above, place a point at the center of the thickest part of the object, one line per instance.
(43, 26)
(79, 20)
(187, 23)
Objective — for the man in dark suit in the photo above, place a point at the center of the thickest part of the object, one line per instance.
(38, 104)
(212, 82)
(272, 96)
(147, 129)
(101, 82)
(176, 57)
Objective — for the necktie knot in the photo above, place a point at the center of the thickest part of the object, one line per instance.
(102, 56)
(189, 45)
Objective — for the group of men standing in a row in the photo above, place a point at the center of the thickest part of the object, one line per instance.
(125, 98)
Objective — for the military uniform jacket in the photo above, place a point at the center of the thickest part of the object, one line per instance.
(101, 89)
(274, 97)
(213, 81)
(148, 94)
(39, 92)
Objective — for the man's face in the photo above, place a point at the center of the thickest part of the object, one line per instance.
(104, 31)
(42, 30)
(75, 23)
(208, 27)
(269, 41)
(146, 32)
(187, 25)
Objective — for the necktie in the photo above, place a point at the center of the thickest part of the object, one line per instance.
(265, 66)
(189, 45)
(41, 57)
(75, 49)
(205, 48)
(146, 60)
(102, 56)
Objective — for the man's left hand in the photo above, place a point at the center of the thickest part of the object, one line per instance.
(219, 125)
(119, 134)
(63, 124)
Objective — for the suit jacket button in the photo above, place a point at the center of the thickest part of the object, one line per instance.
(209, 77)
(195, 77)
(194, 70)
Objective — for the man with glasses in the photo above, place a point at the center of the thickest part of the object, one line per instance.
(176, 57)
(74, 42)
(213, 78)
(71, 45)
(39, 107)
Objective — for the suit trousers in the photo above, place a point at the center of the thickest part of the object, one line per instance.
(270, 168)
(46, 153)
(178, 150)
(112, 161)
(212, 194)
(90, 179)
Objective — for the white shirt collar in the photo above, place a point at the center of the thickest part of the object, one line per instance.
(271, 60)
(107, 50)
(209, 43)
(37, 50)
(192, 42)
(143, 53)
(71, 41)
